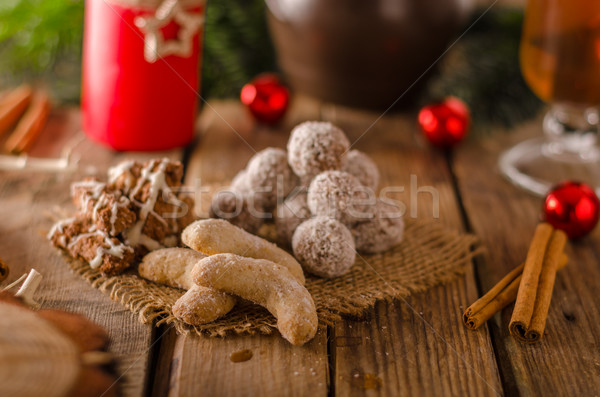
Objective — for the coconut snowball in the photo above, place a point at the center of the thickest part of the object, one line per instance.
(339, 195)
(269, 176)
(240, 182)
(314, 147)
(324, 247)
(362, 167)
(291, 213)
(237, 208)
(380, 233)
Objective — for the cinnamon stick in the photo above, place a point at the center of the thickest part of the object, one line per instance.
(498, 297)
(535, 290)
(31, 125)
(13, 105)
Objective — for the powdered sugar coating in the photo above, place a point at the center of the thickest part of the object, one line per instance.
(201, 305)
(324, 247)
(291, 213)
(216, 236)
(240, 182)
(316, 146)
(380, 233)
(237, 207)
(170, 266)
(269, 176)
(339, 195)
(362, 167)
(265, 283)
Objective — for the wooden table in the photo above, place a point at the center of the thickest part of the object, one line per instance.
(416, 346)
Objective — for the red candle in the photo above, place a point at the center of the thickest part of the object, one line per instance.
(141, 72)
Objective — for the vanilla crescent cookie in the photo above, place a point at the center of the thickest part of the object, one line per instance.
(267, 284)
(172, 267)
(216, 236)
(316, 146)
(201, 305)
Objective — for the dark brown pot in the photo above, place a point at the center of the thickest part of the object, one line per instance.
(364, 53)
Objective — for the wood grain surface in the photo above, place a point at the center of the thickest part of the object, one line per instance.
(416, 346)
(384, 359)
(567, 360)
(229, 138)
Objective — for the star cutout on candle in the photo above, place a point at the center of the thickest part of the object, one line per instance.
(155, 45)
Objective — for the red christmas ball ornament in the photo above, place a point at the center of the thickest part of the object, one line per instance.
(445, 123)
(266, 98)
(572, 207)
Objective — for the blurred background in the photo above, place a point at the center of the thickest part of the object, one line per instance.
(41, 41)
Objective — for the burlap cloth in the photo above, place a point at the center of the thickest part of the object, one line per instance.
(429, 255)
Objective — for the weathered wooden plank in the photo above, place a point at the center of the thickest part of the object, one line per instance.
(565, 362)
(415, 346)
(202, 365)
(26, 201)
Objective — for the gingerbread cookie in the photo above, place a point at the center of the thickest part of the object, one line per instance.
(82, 240)
(138, 210)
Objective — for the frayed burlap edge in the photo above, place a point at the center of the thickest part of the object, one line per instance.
(429, 255)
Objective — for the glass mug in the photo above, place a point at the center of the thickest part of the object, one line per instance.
(141, 62)
(560, 61)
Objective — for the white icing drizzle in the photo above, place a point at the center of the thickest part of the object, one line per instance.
(116, 250)
(158, 183)
(101, 202)
(59, 227)
(115, 172)
(97, 261)
(153, 174)
(93, 190)
(121, 202)
(149, 242)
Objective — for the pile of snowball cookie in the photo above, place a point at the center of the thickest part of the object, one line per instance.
(321, 196)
